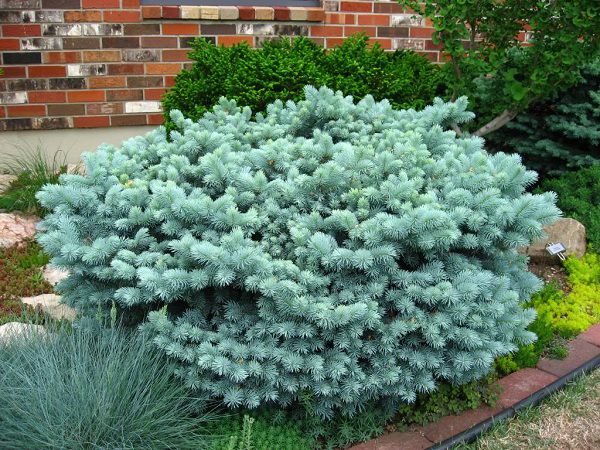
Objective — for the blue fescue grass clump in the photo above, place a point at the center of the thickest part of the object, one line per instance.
(83, 389)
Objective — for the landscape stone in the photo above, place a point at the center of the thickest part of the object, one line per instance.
(519, 385)
(53, 274)
(580, 352)
(452, 425)
(592, 335)
(567, 231)
(50, 304)
(5, 181)
(15, 228)
(18, 329)
(408, 440)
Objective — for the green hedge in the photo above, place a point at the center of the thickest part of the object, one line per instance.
(281, 69)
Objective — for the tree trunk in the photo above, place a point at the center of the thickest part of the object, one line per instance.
(496, 123)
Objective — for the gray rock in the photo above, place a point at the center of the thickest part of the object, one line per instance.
(15, 228)
(568, 232)
(13, 330)
(51, 305)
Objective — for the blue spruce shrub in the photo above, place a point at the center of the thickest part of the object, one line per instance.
(347, 253)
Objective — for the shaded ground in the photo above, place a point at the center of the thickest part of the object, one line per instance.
(555, 273)
(568, 420)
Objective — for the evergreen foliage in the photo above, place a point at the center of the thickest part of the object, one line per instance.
(579, 198)
(561, 134)
(349, 252)
(281, 69)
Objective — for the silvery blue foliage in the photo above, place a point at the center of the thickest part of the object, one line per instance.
(349, 252)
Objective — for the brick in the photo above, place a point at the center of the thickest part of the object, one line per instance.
(126, 69)
(124, 94)
(228, 41)
(154, 94)
(325, 31)
(120, 42)
(25, 84)
(407, 20)
(20, 4)
(46, 71)
(340, 19)
(80, 43)
(246, 12)
(392, 32)
(66, 83)
(387, 8)
(171, 12)
(42, 16)
(133, 4)
(14, 72)
(216, 29)
(186, 41)
(82, 16)
(145, 81)
(9, 44)
(409, 440)
(100, 4)
(91, 121)
(22, 58)
(163, 68)
(61, 4)
(175, 55)
(298, 13)
(102, 29)
(141, 55)
(364, 7)
(101, 56)
(190, 12)
(369, 31)
(431, 56)
(142, 106)
(13, 98)
(52, 123)
(61, 57)
(47, 97)
(155, 119)
(128, 120)
(169, 80)
(228, 13)
(580, 352)
(86, 70)
(107, 82)
(384, 43)
(374, 19)
(331, 5)
(452, 425)
(421, 32)
(86, 96)
(11, 17)
(263, 13)
(16, 124)
(519, 385)
(69, 109)
(592, 335)
(180, 28)
(282, 13)
(159, 42)
(122, 16)
(151, 12)
(409, 44)
(140, 29)
(95, 109)
(315, 14)
(209, 12)
(73, 29)
(26, 110)
(41, 44)
(429, 45)
(21, 30)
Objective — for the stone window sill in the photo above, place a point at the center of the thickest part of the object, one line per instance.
(254, 13)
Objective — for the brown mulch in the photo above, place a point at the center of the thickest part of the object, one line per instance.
(552, 273)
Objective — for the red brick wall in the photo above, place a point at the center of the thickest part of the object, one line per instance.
(100, 63)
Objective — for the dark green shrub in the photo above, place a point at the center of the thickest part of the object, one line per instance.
(281, 69)
(76, 389)
(560, 134)
(579, 198)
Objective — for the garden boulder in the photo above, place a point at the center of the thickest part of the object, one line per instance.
(568, 232)
(18, 329)
(5, 181)
(54, 275)
(51, 305)
(15, 228)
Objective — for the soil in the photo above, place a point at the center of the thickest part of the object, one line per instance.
(552, 273)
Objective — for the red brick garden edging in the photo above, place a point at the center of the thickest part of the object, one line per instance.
(520, 389)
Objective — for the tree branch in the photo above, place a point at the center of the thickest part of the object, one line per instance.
(497, 123)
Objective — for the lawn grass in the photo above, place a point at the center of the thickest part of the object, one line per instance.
(568, 419)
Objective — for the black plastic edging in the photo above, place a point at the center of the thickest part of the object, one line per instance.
(472, 433)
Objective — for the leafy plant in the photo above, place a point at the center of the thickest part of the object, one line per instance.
(560, 134)
(351, 251)
(579, 198)
(281, 68)
(33, 170)
(75, 389)
(489, 62)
